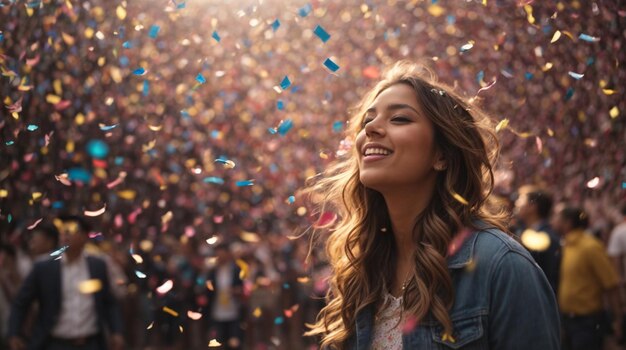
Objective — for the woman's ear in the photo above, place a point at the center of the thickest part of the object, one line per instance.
(440, 163)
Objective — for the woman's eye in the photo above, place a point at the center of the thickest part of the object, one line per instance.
(401, 119)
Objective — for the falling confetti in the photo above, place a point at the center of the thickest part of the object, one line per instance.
(575, 75)
(216, 36)
(165, 287)
(321, 33)
(332, 66)
(167, 310)
(588, 38)
(214, 343)
(154, 31)
(90, 286)
(95, 212)
(285, 83)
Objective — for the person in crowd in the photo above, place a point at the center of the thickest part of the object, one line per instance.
(43, 241)
(225, 299)
(418, 260)
(10, 280)
(533, 208)
(617, 245)
(586, 276)
(75, 301)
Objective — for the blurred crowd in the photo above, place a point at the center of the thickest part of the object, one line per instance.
(179, 128)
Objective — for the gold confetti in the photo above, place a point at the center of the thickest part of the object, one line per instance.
(4, 193)
(138, 259)
(214, 343)
(244, 268)
(608, 92)
(303, 279)
(90, 286)
(257, 312)
(53, 99)
(556, 36)
(170, 311)
(68, 39)
(436, 10)
(180, 328)
(459, 198)
(37, 195)
(120, 12)
(502, 125)
(155, 127)
(209, 286)
(249, 237)
(533, 240)
(448, 337)
(614, 112)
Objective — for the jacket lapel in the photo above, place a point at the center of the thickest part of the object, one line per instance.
(364, 328)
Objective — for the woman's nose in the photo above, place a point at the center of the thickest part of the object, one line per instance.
(374, 128)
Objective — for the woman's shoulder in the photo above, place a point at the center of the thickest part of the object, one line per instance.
(495, 246)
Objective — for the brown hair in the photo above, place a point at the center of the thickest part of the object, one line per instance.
(361, 256)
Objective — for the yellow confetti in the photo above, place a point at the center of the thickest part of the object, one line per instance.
(249, 237)
(37, 195)
(148, 146)
(90, 286)
(170, 311)
(138, 259)
(533, 240)
(502, 125)
(303, 279)
(547, 67)
(257, 312)
(448, 337)
(4, 193)
(127, 194)
(556, 36)
(214, 343)
(58, 88)
(436, 10)
(68, 39)
(167, 217)
(459, 198)
(568, 34)
(121, 12)
(529, 12)
(209, 286)
(608, 92)
(550, 132)
(244, 268)
(614, 112)
(53, 99)
(155, 127)
(30, 11)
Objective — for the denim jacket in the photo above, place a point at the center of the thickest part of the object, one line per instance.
(502, 301)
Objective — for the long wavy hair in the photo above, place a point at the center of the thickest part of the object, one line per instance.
(362, 255)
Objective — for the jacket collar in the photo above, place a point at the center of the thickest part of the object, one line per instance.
(461, 248)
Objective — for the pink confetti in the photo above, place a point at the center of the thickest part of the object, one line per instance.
(34, 225)
(539, 144)
(117, 181)
(457, 241)
(487, 87)
(165, 287)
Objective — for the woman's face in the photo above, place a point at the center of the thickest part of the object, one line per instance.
(396, 144)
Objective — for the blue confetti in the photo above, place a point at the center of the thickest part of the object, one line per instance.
(10, 218)
(305, 10)
(1, 37)
(575, 75)
(291, 199)
(528, 75)
(79, 174)
(275, 25)
(97, 149)
(332, 66)
(58, 205)
(569, 93)
(623, 185)
(124, 61)
(182, 5)
(154, 31)
(285, 126)
(108, 127)
(216, 36)
(272, 131)
(200, 79)
(140, 274)
(321, 33)
(32, 127)
(337, 126)
(139, 71)
(127, 45)
(588, 38)
(9, 143)
(213, 180)
(480, 76)
(280, 105)
(244, 183)
(285, 83)
(590, 61)
(146, 88)
(34, 4)
(279, 320)
(59, 251)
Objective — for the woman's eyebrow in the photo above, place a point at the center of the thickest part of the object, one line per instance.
(393, 107)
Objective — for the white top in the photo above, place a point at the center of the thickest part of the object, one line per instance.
(77, 317)
(225, 307)
(388, 325)
(617, 242)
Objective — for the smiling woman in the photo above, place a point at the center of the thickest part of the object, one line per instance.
(419, 261)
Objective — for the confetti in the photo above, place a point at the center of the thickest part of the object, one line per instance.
(321, 33)
(59, 251)
(165, 287)
(107, 127)
(200, 79)
(212, 240)
(275, 25)
(285, 83)
(614, 112)
(291, 199)
(588, 38)
(34, 224)
(593, 183)
(216, 36)
(244, 268)
(90, 286)
(536, 241)
(139, 71)
(214, 180)
(154, 31)
(194, 315)
(167, 310)
(214, 343)
(138, 259)
(284, 127)
(459, 198)
(244, 183)
(280, 105)
(305, 10)
(257, 312)
(467, 47)
(555, 37)
(140, 274)
(32, 127)
(575, 75)
(228, 164)
(332, 66)
(95, 212)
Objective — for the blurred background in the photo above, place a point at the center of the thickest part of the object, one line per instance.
(177, 128)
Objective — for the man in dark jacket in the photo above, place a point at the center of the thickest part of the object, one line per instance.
(75, 302)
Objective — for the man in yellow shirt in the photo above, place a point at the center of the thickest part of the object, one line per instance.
(586, 276)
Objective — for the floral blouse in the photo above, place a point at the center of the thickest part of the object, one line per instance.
(388, 325)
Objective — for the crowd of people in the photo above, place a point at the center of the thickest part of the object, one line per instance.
(181, 132)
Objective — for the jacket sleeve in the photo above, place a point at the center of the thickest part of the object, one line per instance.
(523, 310)
(23, 300)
